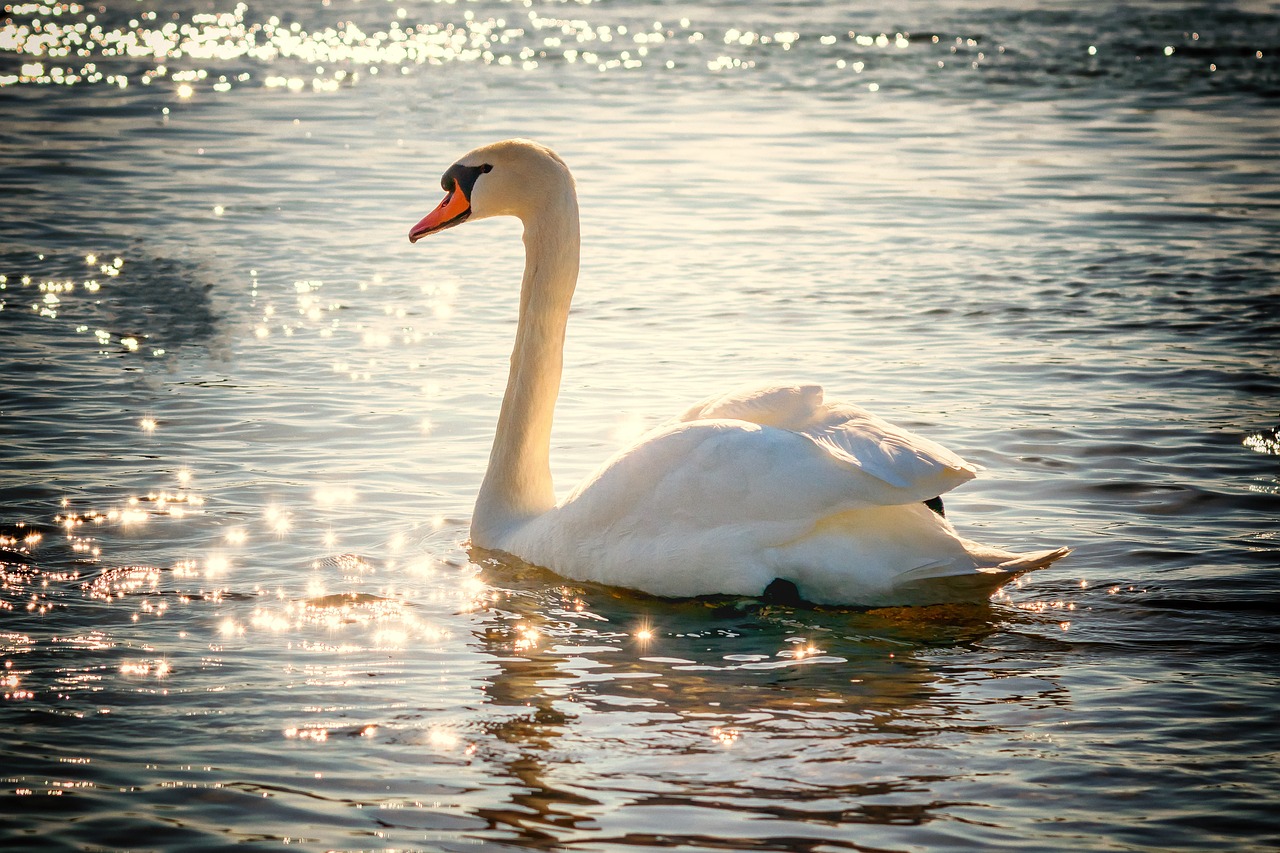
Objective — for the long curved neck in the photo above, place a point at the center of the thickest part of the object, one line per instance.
(517, 485)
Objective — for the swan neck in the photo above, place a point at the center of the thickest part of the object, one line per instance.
(517, 485)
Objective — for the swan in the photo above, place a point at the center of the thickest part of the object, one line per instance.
(760, 490)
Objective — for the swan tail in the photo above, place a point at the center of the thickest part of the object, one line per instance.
(944, 582)
(898, 555)
(1030, 562)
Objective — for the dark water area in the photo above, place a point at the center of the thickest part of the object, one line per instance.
(243, 421)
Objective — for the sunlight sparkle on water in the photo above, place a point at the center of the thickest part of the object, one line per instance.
(278, 55)
(421, 566)
(443, 739)
(158, 669)
(726, 737)
(1264, 441)
(334, 495)
(217, 565)
(527, 638)
(279, 520)
(315, 734)
(273, 621)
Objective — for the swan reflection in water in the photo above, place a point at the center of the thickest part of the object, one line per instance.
(595, 717)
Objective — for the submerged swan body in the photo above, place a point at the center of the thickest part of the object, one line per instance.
(739, 491)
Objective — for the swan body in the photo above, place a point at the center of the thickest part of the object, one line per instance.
(738, 491)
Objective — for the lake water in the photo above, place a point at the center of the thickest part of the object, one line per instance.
(242, 422)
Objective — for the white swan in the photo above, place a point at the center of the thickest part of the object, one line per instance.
(742, 490)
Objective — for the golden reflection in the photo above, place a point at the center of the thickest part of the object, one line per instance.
(527, 638)
(186, 569)
(529, 687)
(144, 668)
(12, 684)
(1046, 606)
(114, 584)
(725, 737)
(383, 619)
(800, 649)
(317, 733)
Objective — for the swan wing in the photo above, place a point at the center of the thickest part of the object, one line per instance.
(888, 452)
(851, 434)
(730, 472)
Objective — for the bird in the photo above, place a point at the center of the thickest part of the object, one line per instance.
(756, 492)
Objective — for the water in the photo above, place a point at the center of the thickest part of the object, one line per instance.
(242, 422)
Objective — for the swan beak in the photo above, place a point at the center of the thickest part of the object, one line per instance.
(454, 210)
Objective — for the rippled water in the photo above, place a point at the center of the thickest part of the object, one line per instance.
(242, 422)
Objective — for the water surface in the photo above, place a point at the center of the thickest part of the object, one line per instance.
(242, 422)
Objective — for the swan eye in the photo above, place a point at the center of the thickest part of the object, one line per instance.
(463, 177)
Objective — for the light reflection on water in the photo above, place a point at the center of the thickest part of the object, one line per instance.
(244, 421)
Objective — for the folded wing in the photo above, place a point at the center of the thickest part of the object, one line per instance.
(921, 468)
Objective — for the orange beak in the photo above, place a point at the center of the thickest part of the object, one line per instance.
(454, 210)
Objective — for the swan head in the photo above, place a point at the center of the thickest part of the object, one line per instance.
(515, 177)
